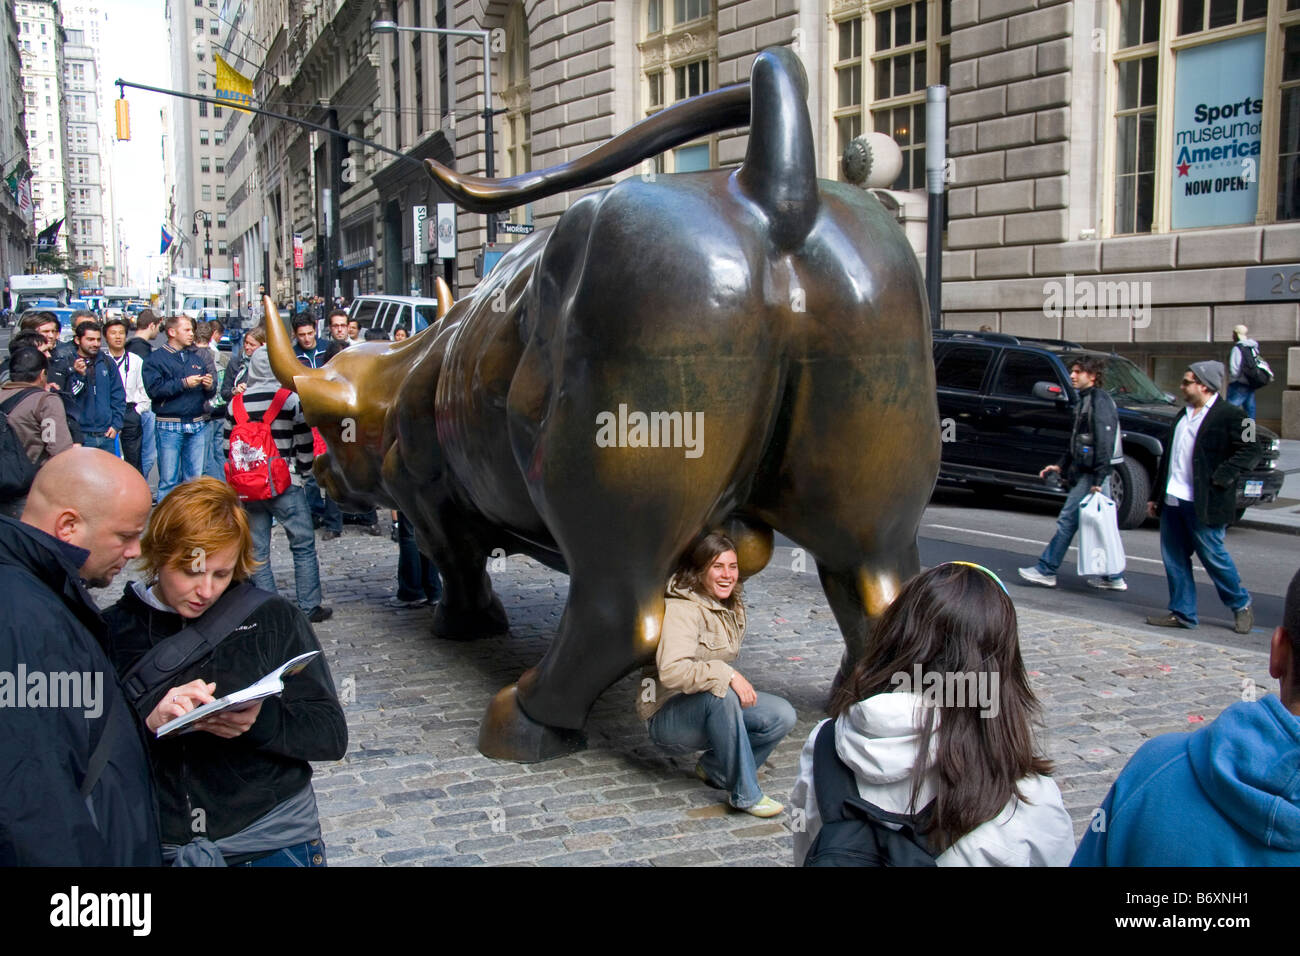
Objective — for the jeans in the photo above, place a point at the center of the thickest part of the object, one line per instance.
(131, 436)
(148, 444)
(1067, 526)
(303, 854)
(735, 740)
(214, 462)
(1181, 534)
(417, 576)
(290, 509)
(181, 453)
(1243, 396)
(91, 440)
(322, 506)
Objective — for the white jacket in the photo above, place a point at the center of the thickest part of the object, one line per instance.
(130, 368)
(878, 739)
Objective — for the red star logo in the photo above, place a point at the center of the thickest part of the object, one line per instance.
(1182, 169)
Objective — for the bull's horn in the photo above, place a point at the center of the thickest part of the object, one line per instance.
(444, 295)
(326, 399)
(284, 363)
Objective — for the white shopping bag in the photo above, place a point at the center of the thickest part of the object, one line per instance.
(1100, 549)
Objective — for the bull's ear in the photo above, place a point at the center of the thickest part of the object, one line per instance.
(326, 399)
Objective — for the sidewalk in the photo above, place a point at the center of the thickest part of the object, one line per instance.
(413, 789)
(1283, 514)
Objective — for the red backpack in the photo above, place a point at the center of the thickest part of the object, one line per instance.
(254, 467)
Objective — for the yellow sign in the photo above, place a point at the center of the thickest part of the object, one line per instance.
(232, 85)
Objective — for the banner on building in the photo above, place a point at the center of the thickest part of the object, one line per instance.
(298, 256)
(234, 264)
(446, 230)
(232, 86)
(1218, 112)
(419, 251)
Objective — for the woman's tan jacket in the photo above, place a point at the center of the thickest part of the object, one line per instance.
(700, 637)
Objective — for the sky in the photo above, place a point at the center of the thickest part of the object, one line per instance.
(135, 48)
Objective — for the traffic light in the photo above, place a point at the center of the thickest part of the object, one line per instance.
(123, 119)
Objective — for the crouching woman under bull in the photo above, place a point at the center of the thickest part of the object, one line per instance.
(698, 700)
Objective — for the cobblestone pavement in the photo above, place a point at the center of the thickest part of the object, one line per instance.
(413, 788)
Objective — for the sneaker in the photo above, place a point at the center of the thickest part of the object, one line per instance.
(1243, 620)
(704, 775)
(320, 614)
(1034, 576)
(331, 535)
(398, 602)
(766, 807)
(1101, 584)
(1168, 620)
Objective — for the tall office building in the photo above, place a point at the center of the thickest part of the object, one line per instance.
(198, 138)
(40, 40)
(88, 19)
(15, 217)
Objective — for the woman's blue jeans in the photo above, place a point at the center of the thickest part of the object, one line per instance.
(736, 740)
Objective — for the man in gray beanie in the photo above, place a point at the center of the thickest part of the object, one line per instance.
(263, 400)
(1195, 496)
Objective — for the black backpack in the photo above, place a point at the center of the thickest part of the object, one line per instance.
(1254, 369)
(855, 832)
(17, 472)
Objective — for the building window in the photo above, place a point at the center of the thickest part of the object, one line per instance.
(1288, 167)
(203, 82)
(205, 192)
(216, 112)
(221, 247)
(198, 24)
(205, 165)
(221, 220)
(213, 28)
(685, 11)
(1197, 15)
(678, 63)
(203, 137)
(219, 136)
(219, 164)
(691, 79)
(221, 191)
(655, 90)
(203, 108)
(883, 59)
(654, 16)
(1135, 146)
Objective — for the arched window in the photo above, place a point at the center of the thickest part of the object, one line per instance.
(679, 57)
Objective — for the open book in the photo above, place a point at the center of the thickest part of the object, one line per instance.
(268, 686)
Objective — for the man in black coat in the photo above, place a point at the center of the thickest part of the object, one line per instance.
(63, 715)
(1195, 496)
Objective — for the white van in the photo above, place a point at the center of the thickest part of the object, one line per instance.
(387, 312)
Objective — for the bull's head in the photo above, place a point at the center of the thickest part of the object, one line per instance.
(349, 400)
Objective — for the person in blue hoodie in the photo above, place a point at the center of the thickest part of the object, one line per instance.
(1226, 795)
(98, 395)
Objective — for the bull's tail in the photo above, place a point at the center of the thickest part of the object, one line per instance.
(779, 173)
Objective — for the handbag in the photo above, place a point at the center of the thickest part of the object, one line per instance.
(1101, 551)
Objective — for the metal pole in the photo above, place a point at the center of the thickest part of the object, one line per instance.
(936, 138)
(489, 164)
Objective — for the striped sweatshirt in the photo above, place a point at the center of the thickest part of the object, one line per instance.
(290, 430)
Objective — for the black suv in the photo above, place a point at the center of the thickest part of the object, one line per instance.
(1007, 409)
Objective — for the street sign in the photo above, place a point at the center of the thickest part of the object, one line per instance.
(446, 230)
(514, 228)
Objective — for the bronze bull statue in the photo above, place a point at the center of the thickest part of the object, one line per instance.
(742, 348)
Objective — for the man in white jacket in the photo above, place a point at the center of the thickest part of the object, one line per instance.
(130, 367)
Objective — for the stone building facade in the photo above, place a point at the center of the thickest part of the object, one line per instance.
(1067, 215)
(15, 220)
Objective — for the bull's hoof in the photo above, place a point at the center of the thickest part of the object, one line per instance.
(507, 733)
(466, 625)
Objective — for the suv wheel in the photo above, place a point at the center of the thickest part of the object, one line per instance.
(1130, 487)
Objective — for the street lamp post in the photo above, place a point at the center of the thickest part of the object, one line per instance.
(485, 37)
(206, 217)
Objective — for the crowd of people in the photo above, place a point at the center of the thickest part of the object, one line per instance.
(895, 776)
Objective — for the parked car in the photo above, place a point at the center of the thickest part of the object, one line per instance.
(387, 312)
(1007, 409)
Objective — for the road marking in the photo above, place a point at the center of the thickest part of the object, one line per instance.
(1041, 544)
